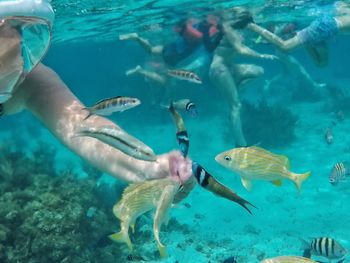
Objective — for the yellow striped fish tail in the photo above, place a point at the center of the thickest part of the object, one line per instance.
(162, 251)
(121, 237)
(298, 179)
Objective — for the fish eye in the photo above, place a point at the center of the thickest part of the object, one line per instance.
(227, 158)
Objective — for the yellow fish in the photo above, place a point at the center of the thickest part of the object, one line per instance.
(255, 163)
(139, 198)
(288, 259)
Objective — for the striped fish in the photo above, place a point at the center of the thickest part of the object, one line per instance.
(208, 182)
(181, 132)
(339, 172)
(184, 75)
(108, 106)
(186, 105)
(255, 163)
(139, 198)
(120, 140)
(326, 247)
(288, 259)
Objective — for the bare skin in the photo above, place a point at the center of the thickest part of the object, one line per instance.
(50, 100)
(318, 53)
(226, 76)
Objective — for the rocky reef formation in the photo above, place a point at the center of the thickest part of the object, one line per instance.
(49, 216)
(269, 125)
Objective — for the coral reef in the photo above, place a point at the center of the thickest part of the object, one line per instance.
(270, 126)
(47, 216)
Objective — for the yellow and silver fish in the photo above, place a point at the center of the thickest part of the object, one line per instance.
(184, 75)
(288, 259)
(120, 140)
(255, 163)
(108, 106)
(139, 198)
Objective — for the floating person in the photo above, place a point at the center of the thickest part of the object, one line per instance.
(288, 259)
(25, 83)
(315, 36)
(108, 106)
(228, 76)
(339, 172)
(325, 247)
(255, 163)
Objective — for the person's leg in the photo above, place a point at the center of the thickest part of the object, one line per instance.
(222, 79)
(245, 73)
(151, 75)
(154, 50)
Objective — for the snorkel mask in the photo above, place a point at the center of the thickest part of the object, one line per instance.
(25, 36)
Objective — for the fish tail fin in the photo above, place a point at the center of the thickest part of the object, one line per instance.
(162, 250)
(299, 179)
(121, 237)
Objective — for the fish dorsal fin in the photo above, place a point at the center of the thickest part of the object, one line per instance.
(106, 99)
(247, 184)
(277, 182)
(131, 188)
(284, 159)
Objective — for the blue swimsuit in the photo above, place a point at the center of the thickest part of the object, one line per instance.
(320, 30)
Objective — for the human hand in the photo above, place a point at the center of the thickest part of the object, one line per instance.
(242, 19)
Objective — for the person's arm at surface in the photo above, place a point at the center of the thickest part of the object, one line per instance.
(236, 43)
(275, 40)
(50, 100)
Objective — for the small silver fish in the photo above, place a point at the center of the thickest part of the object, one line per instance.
(288, 259)
(329, 136)
(184, 75)
(325, 247)
(339, 172)
(108, 106)
(186, 105)
(120, 140)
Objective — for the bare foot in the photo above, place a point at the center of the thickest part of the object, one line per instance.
(128, 36)
(133, 71)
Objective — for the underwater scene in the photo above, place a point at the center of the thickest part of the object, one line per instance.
(174, 131)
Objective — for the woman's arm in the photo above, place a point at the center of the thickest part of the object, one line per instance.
(236, 43)
(284, 45)
(50, 100)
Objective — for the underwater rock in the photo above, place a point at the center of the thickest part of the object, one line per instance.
(270, 126)
(44, 215)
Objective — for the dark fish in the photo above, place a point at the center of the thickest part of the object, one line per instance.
(339, 172)
(108, 106)
(230, 260)
(185, 75)
(326, 247)
(181, 132)
(208, 182)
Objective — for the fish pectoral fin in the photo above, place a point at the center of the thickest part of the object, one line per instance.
(247, 184)
(121, 237)
(277, 182)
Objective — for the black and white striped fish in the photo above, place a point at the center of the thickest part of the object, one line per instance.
(208, 182)
(326, 247)
(339, 172)
(120, 140)
(110, 105)
(186, 105)
(184, 75)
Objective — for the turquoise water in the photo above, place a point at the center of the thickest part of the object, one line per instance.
(89, 58)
